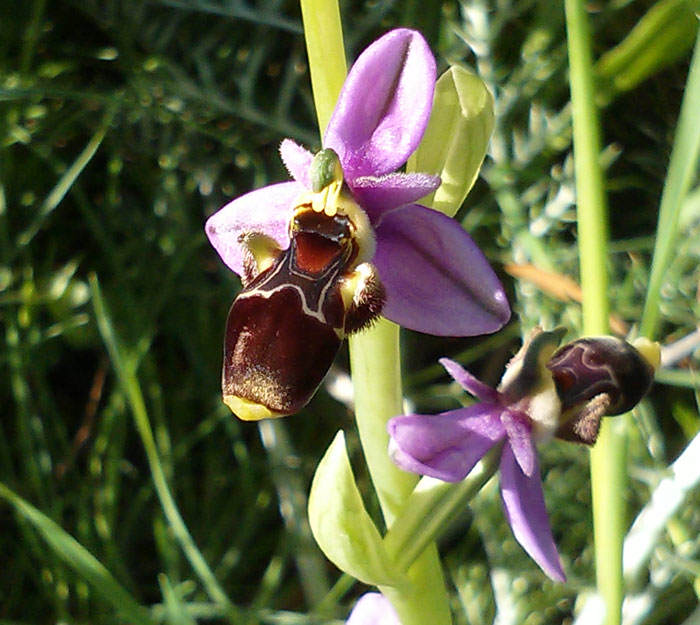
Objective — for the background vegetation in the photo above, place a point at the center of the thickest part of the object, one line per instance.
(129, 492)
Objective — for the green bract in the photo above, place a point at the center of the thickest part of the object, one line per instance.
(340, 524)
(455, 142)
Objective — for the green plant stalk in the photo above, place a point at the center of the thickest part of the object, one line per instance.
(124, 369)
(374, 354)
(375, 362)
(323, 33)
(608, 455)
(681, 170)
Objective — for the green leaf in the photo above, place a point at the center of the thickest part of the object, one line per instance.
(124, 365)
(682, 169)
(661, 37)
(80, 560)
(340, 524)
(455, 142)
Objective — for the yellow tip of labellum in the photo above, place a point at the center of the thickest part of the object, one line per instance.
(650, 351)
(247, 410)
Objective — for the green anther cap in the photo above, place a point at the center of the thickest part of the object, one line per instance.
(325, 169)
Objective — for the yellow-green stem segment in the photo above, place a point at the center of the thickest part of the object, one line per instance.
(323, 32)
(608, 458)
(376, 373)
(374, 354)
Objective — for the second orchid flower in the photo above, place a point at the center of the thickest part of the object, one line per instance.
(544, 392)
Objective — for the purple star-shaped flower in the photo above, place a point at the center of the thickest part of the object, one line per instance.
(435, 278)
(448, 445)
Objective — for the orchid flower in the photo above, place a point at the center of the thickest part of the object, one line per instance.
(544, 393)
(321, 256)
(373, 608)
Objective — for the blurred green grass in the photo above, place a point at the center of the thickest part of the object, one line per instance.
(123, 125)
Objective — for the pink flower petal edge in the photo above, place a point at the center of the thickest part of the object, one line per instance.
(297, 160)
(437, 280)
(384, 106)
(373, 608)
(524, 507)
(470, 383)
(267, 210)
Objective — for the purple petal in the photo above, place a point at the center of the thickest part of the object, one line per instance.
(520, 440)
(469, 383)
(373, 608)
(384, 105)
(523, 503)
(267, 210)
(377, 195)
(445, 446)
(297, 160)
(437, 280)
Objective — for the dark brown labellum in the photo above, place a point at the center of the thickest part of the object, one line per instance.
(595, 377)
(275, 354)
(286, 326)
(591, 366)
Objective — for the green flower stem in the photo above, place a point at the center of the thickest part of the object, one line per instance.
(681, 170)
(608, 456)
(424, 599)
(374, 354)
(376, 375)
(323, 32)
(590, 189)
(427, 512)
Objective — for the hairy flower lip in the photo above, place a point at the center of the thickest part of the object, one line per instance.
(419, 252)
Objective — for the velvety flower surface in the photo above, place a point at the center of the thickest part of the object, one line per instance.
(435, 277)
(447, 446)
(373, 608)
